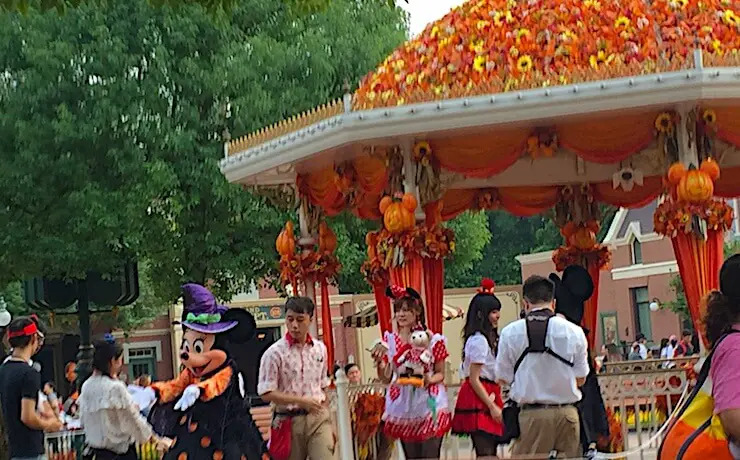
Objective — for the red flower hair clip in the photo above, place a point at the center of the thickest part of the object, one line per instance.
(397, 292)
(487, 285)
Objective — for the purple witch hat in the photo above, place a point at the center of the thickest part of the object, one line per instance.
(201, 312)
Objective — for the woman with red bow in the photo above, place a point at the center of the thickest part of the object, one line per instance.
(479, 404)
(416, 409)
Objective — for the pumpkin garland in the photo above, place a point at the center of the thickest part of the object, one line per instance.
(690, 206)
(318, 263)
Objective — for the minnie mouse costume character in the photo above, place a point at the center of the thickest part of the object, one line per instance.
(204, 410)
(571, 292)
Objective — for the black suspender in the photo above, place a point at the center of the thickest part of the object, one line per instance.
(537, 322)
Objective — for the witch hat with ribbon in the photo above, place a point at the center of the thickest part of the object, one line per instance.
(201, 312)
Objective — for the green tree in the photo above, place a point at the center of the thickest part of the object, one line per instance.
(112, 119)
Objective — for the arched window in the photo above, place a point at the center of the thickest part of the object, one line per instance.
(636, 252)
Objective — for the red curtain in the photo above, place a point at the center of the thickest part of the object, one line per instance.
(326, 324)
(383, 304)
(699, 262)
(591, 308)
(409, 274)
(434, 282)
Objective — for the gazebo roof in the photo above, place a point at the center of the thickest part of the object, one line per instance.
(597, 77)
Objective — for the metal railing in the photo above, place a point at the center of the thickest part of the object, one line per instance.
(69, 445)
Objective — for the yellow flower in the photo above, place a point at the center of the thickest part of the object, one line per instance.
(398, 65)
(435, 31)
(730, 18)
(682, 3)
(477, 46)
(497, 18)
(522, 33)
(717, 46)
(479, 64)
(422, 149)
(600, 58)
(482, 24)
(410, 78)
(567, 35)
(592, 4)
(513, 51)
(664, 123)
(524, 64)
(709, 116)
(371, 96)
(621, 22)
(509, 17)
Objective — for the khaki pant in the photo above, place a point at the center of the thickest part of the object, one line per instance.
(547, 429)
(312, 437)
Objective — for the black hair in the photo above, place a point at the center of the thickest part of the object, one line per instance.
(476, 320)
(106, 350)
(640, 336)
(51, 385)
(18, 325)
(300, 305)
(538, 290)
(663, 342)
(411, 304)
(723, 306)
(349, 367)
(685, 333)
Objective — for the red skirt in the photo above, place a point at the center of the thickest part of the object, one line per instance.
(472, 415)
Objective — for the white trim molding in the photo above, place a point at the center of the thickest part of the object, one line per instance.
(534, 258)
(156, 345)
(534, 105)
(611, 234)
(644, 270)
(141, 333)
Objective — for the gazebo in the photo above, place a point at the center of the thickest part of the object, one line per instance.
(523, 106)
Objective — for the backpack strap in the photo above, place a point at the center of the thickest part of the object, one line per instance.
(537, 323)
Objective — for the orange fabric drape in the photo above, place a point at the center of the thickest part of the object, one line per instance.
(371, 173)
(383, 305)
(327, 327)
(728, 184)
(640, 196)
(409, 274)
(481, 155)
(366, 206)
(728, 124)
(591, 307)
(434, 284)
(321, 189)
(457, 201)
(527, 201)
(699, 262)
(608, 140)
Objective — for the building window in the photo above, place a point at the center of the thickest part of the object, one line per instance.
(142, 361)
(641, 309)
(636, 252)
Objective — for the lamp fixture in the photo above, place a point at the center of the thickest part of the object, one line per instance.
(5, 316)
(655, 304)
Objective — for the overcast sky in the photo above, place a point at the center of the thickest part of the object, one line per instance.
(426, 11)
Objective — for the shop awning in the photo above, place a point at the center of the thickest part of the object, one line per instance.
(368, 315)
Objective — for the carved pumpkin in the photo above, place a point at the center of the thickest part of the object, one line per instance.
(710, 167)
(695, 187)
(584, 238)
(398, 212)
(384, 204)
(285, 242)
(327, 239)
(676, 172)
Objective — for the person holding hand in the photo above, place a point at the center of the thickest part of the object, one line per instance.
(111, 419)
(293, 378)
(479, 403)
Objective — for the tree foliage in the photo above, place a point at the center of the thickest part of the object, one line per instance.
(112, 120)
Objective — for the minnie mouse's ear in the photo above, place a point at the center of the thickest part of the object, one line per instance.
(412, 292)
(245, 328)
(389, 292)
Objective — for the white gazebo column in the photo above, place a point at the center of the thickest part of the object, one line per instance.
(307, 241)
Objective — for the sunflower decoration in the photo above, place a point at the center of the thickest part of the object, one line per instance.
(524, 64)
(542, 143)
(730, 18)
(709, 116)
(422, 153)
(665, 123)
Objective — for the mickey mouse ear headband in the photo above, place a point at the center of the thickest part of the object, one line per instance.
(396, 292)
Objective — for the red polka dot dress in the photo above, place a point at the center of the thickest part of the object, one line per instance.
(416, 414)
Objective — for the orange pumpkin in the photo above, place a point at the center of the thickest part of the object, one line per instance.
(409, 202)
(327, 239)
(584, 238)
(695, 187)
(676, 172)
(396, 218)
(285, 242)
(710, 167)
(385, 204)
(568, 230)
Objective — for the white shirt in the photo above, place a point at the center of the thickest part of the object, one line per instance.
(542, 378)
(143, 397)
(477, 351)
(643, 351)
(667, 353)
(109, 415)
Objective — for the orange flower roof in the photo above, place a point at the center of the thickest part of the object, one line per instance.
(490, 46)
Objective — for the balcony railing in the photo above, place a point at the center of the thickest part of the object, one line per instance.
(640, 396)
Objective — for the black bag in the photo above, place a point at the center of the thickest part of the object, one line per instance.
(536, 322)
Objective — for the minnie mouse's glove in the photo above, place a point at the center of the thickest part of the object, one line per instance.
(189, 397)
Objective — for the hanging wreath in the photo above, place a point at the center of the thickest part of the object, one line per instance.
(319, 263)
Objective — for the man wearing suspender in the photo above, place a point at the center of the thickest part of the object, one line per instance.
(544, 358)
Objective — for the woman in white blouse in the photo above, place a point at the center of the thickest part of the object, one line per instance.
(479, 404)
(110, 417)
